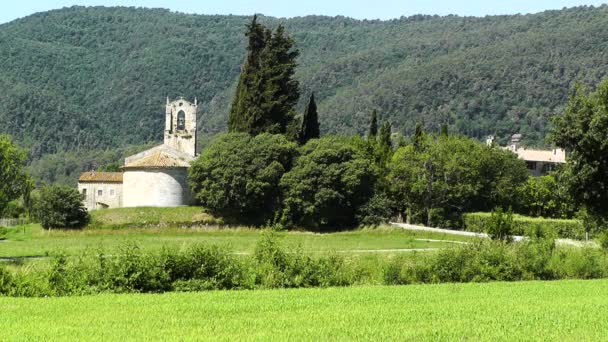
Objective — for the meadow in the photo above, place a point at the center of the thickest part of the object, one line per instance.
(559, 310)
(155, 228)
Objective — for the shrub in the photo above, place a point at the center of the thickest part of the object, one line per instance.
(500, 225)
(6, 281)
(61, 207)
(328, 184)
(276, 268)
(522, 225)
(481, 262)
(603, 239)
(238, 176)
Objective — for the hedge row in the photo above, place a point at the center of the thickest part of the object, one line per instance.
(571, 229)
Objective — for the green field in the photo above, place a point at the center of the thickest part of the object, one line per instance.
(561, 310)
(153, 229)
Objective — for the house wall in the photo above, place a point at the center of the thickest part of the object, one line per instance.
(156, 188)
(111, 195)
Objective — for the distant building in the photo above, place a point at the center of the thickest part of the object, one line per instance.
(538, 162)
(101, 189)
(157, 177)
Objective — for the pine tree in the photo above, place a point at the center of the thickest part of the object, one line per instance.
(373, 127)
(310, 122)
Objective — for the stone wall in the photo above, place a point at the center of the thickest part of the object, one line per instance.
(99, 195)
(181, 138)
(156, 188)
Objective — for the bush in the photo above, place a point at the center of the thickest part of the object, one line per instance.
(328, 184)
(523, 225)
(478, 262)
(276, 268)
(61, 207)
(238, 176)
(500, 225)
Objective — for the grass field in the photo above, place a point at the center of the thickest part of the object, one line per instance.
(561, 310)
(174, 228)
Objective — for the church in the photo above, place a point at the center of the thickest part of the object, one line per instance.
(157, 177)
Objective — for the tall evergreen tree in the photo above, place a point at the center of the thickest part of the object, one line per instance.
(373, 127)
(384, 138)
(267, 92)
(247, 92)
(310, 122)
(444, 130)
(418, 136)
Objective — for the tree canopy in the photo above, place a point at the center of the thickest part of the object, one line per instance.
(13, 180)
(238, 175)
(581, 129)
(330, 180)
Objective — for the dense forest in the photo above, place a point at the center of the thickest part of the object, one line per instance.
(79, 81)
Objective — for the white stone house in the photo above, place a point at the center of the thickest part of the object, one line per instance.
(101, 189)
(157, 177)
(538, 162)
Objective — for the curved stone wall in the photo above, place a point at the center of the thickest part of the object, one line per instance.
(156, 188)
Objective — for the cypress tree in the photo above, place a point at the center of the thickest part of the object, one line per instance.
(384, 138)
(267, 91)
(418, 137)
(247, 95)
(373, 127)
(310, 122)
(444, 130)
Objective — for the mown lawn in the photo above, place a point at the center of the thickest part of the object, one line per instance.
(561, 310)
(35, 241)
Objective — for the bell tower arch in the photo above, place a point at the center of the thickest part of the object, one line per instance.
(180, 125)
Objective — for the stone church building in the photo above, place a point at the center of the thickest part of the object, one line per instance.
(157, 177)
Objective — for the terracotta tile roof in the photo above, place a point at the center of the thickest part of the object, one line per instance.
(550, 156)
(158, 160)
(107, 177)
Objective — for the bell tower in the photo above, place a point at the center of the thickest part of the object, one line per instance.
(180, 125)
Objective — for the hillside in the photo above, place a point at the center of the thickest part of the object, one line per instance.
(81, 79)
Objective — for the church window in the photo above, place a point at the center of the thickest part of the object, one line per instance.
(99, 192)
(181, 121)
(112, 192)
(84, 192)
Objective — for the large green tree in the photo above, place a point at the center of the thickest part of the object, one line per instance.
(267, 91)
(443, 177)
(582, 130)
(331, 180)
(238, 176)
(13, 179)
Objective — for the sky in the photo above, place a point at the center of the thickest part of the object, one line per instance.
(360, 9)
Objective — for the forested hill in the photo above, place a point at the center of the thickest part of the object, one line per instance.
(80, 78)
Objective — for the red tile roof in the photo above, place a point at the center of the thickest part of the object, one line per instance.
(101, 177)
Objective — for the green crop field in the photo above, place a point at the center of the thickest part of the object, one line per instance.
(560, 310)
